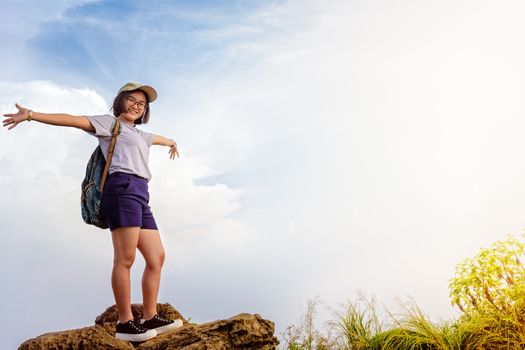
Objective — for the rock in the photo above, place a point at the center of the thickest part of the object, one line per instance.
(94, 337)
(241, 332)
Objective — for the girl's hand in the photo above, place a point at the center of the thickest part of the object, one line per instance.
(14, 119)
(173, 151)
(163, 141)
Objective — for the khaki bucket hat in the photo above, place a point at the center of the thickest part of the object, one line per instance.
(148, 90)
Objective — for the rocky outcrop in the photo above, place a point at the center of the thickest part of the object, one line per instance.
(241, 332)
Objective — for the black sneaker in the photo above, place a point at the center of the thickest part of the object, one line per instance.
(160, 324)
(133, 331)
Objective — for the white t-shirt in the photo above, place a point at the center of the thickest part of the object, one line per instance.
(131, 152)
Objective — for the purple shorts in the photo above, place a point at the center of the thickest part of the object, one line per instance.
(125, 201)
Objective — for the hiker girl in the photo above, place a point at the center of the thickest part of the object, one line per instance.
(125, 200)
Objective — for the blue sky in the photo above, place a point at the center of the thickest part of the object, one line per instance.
(326, 147)
(93, 38)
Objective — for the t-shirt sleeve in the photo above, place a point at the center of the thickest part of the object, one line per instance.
(148, 137)
(102, 124)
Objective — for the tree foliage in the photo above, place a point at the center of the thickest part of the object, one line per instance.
(494, 278)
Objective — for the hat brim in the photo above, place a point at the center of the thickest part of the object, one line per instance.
(149, 91)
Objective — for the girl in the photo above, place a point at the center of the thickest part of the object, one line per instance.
(125, 201)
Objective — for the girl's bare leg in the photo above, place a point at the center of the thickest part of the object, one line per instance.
(150, 245)
(125, 241)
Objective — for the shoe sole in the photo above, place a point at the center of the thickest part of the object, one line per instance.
(137, 337)
(177, 324)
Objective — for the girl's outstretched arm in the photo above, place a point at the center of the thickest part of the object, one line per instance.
(163, 141)
(13, 119)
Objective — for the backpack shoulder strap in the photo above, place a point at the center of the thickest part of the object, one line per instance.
(114, 134)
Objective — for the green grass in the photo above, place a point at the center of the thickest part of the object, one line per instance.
(358, 327)
(489, 289)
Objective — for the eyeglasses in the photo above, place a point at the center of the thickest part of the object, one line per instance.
(131, 100)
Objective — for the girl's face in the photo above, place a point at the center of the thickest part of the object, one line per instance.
(135, 105)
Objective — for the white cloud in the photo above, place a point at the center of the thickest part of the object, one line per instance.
(49, 149)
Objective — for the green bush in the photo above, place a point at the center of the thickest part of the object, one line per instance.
(493, 279)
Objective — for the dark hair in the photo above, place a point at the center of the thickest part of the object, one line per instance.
(119, 106)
